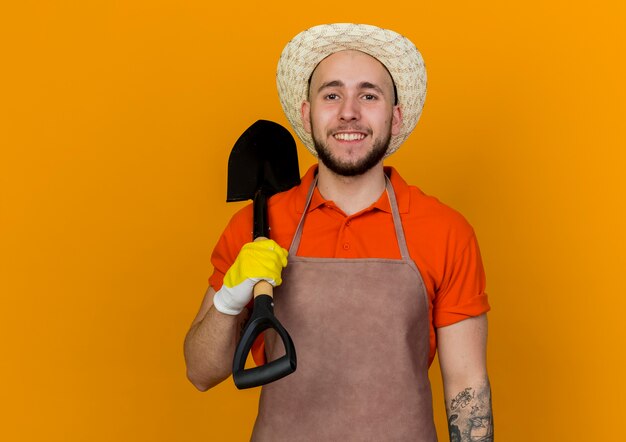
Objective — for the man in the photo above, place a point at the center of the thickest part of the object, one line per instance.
(366, 330)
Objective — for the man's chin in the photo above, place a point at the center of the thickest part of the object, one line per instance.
(348, 168)
(371, 156)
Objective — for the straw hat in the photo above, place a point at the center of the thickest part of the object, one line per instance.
(397, 53)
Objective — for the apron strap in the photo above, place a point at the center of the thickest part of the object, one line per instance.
(397, 221)
(295, 242)
(395, 212)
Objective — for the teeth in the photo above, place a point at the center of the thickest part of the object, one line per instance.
(349, 137)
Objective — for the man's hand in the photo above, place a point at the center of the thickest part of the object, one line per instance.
(259, 260)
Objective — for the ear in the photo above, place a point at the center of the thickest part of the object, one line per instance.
(305, 113)
(396, 120)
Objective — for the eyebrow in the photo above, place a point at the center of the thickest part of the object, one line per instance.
(339, 83)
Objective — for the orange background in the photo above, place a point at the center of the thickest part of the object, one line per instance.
(116, 123)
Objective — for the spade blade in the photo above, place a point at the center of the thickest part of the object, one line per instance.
(264, 159)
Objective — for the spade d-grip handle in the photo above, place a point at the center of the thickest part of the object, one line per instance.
(262, 318)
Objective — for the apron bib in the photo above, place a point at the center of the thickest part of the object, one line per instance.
(361, 331)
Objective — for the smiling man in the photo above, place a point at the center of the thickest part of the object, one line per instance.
(371, 276)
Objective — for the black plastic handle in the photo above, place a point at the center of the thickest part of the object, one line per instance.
(262, 318)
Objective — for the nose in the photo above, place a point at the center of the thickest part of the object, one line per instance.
(350, 109)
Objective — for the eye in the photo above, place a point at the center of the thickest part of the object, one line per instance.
(331, 96)
(369, 97)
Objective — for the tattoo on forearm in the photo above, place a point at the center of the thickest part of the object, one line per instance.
(462, 399)
(470, 418)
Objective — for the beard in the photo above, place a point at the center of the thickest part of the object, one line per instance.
(355, 168)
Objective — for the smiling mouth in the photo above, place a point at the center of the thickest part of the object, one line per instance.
(343, 136)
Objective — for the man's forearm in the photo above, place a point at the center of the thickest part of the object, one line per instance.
(470, 417)
(210, 346)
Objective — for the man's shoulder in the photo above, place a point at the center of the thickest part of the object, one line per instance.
(293, 199)
(425, 211)
(422, 204)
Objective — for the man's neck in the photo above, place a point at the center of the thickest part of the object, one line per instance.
(351, 194)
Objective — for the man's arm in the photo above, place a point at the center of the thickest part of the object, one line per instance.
(462, 351)
(210, 344)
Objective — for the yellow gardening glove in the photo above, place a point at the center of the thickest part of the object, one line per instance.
(259, 260)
